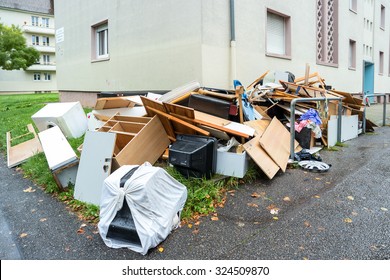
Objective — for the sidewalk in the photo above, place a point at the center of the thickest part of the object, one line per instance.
(340, 214)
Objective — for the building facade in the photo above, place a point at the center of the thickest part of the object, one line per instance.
(138, 45)
(36, 20)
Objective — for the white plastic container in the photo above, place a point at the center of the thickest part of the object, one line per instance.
(68, 116)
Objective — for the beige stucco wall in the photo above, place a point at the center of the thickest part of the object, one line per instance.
(164, 44)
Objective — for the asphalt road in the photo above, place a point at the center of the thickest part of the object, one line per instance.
(337, 215)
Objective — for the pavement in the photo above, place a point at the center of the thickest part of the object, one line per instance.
(335, 215)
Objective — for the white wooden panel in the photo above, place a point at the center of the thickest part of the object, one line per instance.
(57, 149)
(349, 129)
(95, 166)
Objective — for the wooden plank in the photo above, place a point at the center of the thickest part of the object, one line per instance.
(18, 154)
(257, 81)
(228, 97)
(307, 91)
(150, 107)
(276, 142)
(113, 102)
(261, 158)
(94, 166)
(149, 144)
(259, 125)
(180, 110)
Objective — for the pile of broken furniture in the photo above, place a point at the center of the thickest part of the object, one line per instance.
(200, 131)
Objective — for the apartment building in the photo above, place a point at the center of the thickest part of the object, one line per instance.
(138, 45)
(36, 20)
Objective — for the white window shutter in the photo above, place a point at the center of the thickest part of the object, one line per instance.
(275, 34)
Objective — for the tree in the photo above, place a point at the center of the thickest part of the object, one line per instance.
(14, 53)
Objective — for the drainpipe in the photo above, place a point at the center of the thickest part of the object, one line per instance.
(233, 55)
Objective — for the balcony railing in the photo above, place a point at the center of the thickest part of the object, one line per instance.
(38, 29)
(46, 49)
(42, 67)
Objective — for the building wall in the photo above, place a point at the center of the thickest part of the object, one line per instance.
(159, 45)
(20, 80)
(151, 44)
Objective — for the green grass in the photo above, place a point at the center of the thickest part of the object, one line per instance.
(204, 196)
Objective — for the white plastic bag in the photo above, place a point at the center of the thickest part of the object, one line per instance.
(155, 200)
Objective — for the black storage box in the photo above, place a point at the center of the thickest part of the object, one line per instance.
(210, 105)
(194, 155)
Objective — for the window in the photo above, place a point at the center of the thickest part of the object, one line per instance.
(47, 76)
(278, 35)
(100, 41)
(353, 5)
(381, 63)
(45, 41)
(35, 40)
(34, 21)
(45, 22)
(46, 59)
(383, 16)
(327, 32)
(37, 76)
(352, 55)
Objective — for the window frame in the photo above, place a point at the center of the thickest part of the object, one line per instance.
(382, 22)
(34, 21)
(381, 63)
(352, 55)
(45, 22)
(97, 31)
(45, 41)
(46, 59)
(286, 34)
(35, 40)
(47, 77)
(353, 6)
(37, 76)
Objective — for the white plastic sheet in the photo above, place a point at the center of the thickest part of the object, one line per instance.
(154, 199)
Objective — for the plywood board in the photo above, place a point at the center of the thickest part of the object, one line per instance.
(113, 102)
(95, 166)
(20, 153)
(276, 142)
(261, 158)
(148, 145)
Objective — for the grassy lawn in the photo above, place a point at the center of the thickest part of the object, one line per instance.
(204, 196)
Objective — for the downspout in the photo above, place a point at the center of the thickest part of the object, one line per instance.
(233, 55)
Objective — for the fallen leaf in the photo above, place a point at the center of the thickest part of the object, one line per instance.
(384, 209)
(29, 190)
(318, 179)
(354, 213)
(33, 210)
(197, 223)
(271, 206)
(232, 191)
(274, 211)
(43, 220)
(350, 197)
(304, 258)
(207, 196)
(327, 183)
(189, 225)
(89, 237)
(95, 232)
(316, 196)
(321, 228)
(257, 195)
(252, 205)
(160, 249)
(80, 231)
(275, 218)
(348, 220)
(307, 224)
(231, 194)
(23, 235)
(67, 248)
(287, 199)
(196, 231)
(214, 218)
(83, 225)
